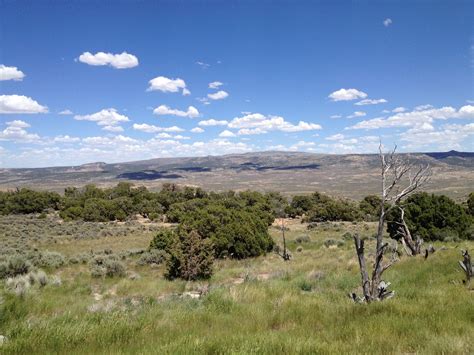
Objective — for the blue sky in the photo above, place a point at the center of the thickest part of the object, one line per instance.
(84, 81)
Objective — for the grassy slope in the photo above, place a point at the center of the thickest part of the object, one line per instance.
(254, 306)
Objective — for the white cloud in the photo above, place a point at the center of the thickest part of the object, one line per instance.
(218, 95)
(164, 84)
(446, 138)
(66, 112)
(336, 116)
(118, 61)
(107, 117)
(466, 111)
(192, 111)
(144, 127)
(347, 95)
(370, 102)
(114, 129)
(416, 118)
(10, 73)
(335, 137)
(387, 22)
(399, 109)
(226, 134)
(197, 130)
(180, 137)
(256, 123)
(16, 132)
(18, 124)
(164, 135)
(357, 114)
(20, 104)
(215, 85)
(213, 122)
(423, 107)
(186, 92)
(66, 139)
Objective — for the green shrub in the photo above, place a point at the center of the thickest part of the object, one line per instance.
(154, 256)
(48, 259)
(470, 204)
(431, 217)
(303, 239)
(114, 268)
(239, 232)
(163, 240)
(305, 285)
(191, 258)
(15, 265)
(106, 265)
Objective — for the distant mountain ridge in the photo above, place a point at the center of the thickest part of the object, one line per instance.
(350, 175)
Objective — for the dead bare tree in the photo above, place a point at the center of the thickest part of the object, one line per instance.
(466, 266)
(285, 255)
(399, 179)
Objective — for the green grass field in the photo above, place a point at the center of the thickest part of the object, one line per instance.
(261, 305)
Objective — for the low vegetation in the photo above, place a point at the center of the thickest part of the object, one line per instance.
(204, 275)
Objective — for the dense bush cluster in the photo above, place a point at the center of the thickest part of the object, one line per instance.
(94, 204)
(24, 201)
(319, 208)
(432, 217)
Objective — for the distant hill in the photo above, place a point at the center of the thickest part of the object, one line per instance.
(350, 175)
(451, 153)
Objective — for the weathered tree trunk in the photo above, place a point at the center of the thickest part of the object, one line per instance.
(359, 244)
(466, 265)
(407, 240)
(285, 255)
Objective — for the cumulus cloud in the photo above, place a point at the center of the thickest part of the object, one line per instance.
(118, 61)
(161, 110)
(144, 127)
(16, 132)
(226, 134)
(20, 104)
(109, 119)
(18, 123)
(215, 85)
(347, 95)
(213, 122)
(387, 22)
(221, 94)
(66, 112)
(336, 116)
(164, 84)
(256, 123)
(370, 102)
(197, 130)
(10, 73)
(416, 118)
(447, 137)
